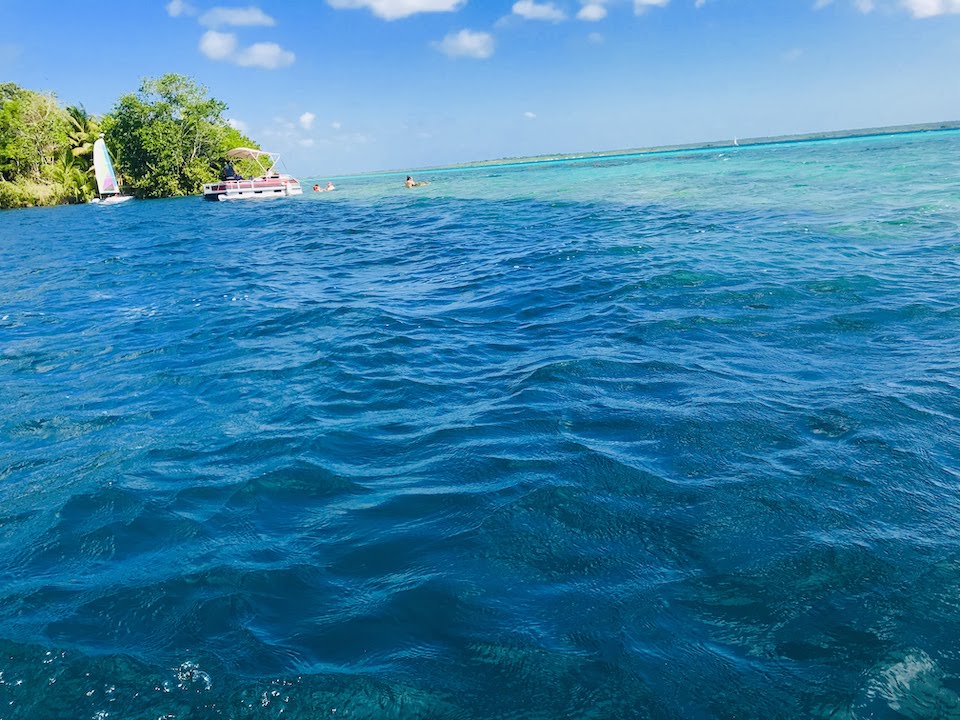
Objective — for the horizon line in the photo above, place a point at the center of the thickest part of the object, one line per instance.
(735, 143)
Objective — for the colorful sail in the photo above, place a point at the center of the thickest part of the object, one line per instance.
(106, 175)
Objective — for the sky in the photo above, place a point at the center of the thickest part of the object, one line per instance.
(341, 86)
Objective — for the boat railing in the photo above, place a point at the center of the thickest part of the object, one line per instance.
(248, 184)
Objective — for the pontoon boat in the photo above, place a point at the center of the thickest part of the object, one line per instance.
(270, 184)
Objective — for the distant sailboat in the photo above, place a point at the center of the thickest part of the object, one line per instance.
(736, 143)
(107, 184)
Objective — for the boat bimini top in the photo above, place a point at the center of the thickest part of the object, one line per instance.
(266, 161)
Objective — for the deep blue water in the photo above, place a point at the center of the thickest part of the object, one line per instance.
(665, 437)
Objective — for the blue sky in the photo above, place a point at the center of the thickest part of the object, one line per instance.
(354, 85)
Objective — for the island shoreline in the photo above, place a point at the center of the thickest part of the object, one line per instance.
(731, 144)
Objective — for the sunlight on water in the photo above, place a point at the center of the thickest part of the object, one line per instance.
(665, 436)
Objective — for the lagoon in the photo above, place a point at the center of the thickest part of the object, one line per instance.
(656, 437)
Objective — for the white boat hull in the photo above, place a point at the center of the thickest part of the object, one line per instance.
(111, 200)
(256, 189)
(116, 199)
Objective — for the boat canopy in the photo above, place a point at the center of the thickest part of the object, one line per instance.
(248, 153)
(267, 161)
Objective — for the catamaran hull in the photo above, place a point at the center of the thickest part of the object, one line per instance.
(251, 190)
(111, 200)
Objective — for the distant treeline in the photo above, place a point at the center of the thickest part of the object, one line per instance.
(167, 140)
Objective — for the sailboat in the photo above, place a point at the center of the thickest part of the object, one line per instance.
(107, 183)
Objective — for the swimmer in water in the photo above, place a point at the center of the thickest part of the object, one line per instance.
(413, 183)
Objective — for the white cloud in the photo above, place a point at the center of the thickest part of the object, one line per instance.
(792, 55)
(306, 120)
(532, 10)
(868, 6)
(307, 142)
(640, 6)
(530, 115)
(217, 45)
(239, 125)
(864, 6)
(241, 17)
(264, 55)
(932, 8)
(349, 141)
(396, 9)
(176, 8)
(223, 46)
(336, 125)
(282, 128)
(467, 43)
(592, 12)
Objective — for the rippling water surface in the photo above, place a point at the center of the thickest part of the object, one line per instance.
(660, 437)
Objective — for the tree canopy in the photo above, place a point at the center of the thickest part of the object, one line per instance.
(167, 139)
(33, 139)
(170, 137)
(33, 128)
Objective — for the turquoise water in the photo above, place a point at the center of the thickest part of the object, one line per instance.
(656, 437)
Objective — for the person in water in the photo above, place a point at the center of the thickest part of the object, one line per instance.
(413, 183)
(330, 186)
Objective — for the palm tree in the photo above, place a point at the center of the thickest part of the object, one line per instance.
(84, 131)
(76, 167)
(74, 182)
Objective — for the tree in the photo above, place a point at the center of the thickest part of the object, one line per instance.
(72, 178)
(33, 135)
(83, 132)
(170, 137)
(167, 139)
(33, 132)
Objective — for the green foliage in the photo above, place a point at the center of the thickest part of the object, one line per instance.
(167, 139)
(83, 133)
(170, 137)
(233, 138)
(76, 167)
(12, 196)
(26, 193)
(73, 180)
(34, 135)
(33, 132)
